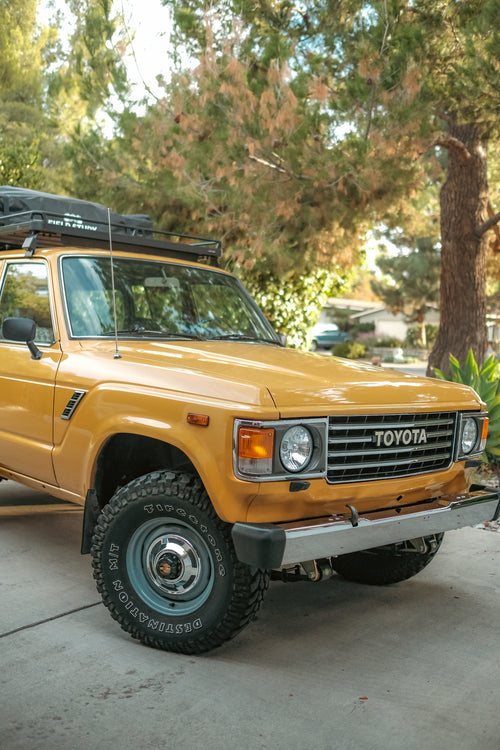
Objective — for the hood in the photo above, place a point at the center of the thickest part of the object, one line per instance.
(299, 384)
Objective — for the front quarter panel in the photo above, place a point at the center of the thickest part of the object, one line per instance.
(110, 408)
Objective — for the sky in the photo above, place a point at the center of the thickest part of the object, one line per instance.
(148, 24)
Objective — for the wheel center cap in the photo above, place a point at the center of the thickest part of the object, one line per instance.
(168, 566)
(173, 564)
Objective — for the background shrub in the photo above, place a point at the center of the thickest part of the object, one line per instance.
(486, 383)
(349, 350)
(414, 332)
(389, 342)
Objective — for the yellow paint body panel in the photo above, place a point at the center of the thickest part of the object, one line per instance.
(152, 387)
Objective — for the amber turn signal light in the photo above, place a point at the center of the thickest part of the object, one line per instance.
(484, 433)
(255, 450)
(200, 419)
(255, 443)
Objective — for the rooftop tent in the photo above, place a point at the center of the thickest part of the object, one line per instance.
(61, 212)
(32, 219)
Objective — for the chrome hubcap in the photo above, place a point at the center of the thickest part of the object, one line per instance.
(169, 566)
(173, 564)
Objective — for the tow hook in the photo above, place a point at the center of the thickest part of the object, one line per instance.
(354, 517)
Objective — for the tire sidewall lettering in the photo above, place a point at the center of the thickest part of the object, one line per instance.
(153, 623)
(114, 568)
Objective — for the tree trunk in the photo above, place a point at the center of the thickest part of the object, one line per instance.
(464, 206)
(423, 332)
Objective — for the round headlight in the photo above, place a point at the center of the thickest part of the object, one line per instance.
(469, 435)
(296, 448)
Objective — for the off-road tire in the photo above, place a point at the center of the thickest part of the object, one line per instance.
(383, 565)
(166, 569)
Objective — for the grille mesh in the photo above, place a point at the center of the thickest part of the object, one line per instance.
(362, 448)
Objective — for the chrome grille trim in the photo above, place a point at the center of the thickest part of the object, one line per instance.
(354, 456)
(339, 454)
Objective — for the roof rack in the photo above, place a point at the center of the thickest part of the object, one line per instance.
(85, 224)
(33, 230)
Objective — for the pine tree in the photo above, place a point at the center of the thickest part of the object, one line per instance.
(25, 53)
(302, 126)
(406, 82)
(411, 281)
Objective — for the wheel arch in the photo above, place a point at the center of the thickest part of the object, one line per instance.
(123, 458)
(126, 456)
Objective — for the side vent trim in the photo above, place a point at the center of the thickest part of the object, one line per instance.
(72, 404)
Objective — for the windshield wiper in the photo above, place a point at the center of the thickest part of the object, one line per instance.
(161, 334)
(241, 337)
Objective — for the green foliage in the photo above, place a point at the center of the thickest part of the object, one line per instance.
(342, 317)
(217, 157)
(20, 161)
(349, 350)
(22, 48)
(382, 342)
(351, 133)
(414, 335)
(417, 61)
(411, 279)
(293, 302)
(363, 328)
(294, 130)
(90, 71)
(389, 342)
(23, 126)
(486, 383)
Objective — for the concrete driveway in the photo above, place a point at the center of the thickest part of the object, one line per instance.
(410, 368)
(329, 666)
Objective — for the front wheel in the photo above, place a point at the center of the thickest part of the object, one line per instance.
(166, 569)
(390, 564)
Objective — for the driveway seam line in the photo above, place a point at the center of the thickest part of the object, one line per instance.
(48, 619)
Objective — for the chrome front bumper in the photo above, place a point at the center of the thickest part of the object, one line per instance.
(274, 545)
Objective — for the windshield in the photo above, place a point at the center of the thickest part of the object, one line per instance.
(159, 300)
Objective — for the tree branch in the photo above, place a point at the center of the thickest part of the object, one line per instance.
(488, 224)
(267, 163)
(386, 30)
(131, 43)
(278, 167)
(449, 142)
(374, 83)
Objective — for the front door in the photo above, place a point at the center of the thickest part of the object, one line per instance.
(27, 385)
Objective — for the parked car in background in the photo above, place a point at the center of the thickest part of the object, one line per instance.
(326, 335)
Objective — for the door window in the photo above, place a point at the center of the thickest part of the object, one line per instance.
(25, 294)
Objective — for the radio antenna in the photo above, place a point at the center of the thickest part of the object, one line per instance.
(113, 291)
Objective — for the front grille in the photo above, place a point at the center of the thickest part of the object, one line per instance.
(363, 448)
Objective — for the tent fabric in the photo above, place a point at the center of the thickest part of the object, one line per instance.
(60, 211)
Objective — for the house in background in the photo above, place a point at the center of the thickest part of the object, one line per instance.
(493, 328)
(386, 324)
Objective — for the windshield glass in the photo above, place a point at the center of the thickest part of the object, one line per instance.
(159, 300)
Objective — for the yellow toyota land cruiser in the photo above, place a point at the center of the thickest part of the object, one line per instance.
(141, 381)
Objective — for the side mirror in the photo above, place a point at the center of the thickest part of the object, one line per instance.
(22, 329)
